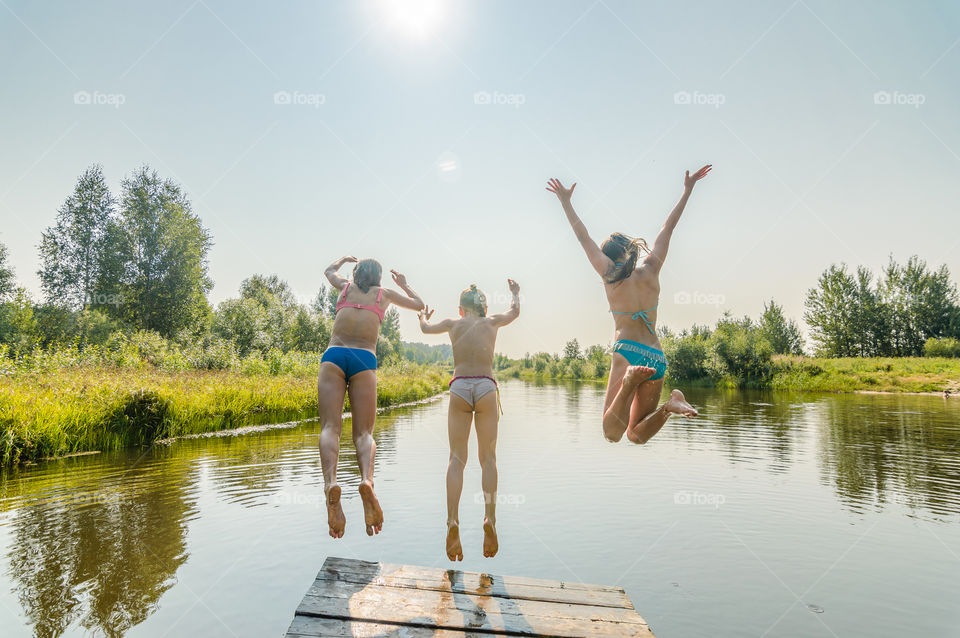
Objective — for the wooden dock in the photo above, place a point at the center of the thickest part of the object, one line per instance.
(360, 598)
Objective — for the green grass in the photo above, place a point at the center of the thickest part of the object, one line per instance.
(65, 410)
(879, 374)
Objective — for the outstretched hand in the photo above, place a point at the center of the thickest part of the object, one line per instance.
(399, 279)
(514, 286)
(689, 180)
(556, 187)
(426, 313)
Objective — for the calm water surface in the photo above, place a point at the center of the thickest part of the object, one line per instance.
(771, 514)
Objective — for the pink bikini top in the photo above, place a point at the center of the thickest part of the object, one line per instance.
(375, 308)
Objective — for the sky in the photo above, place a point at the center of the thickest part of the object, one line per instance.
(422, 132)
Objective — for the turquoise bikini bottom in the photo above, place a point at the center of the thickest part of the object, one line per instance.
(638, 354)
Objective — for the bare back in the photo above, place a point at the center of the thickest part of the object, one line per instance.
(358, 327)
(638, 292)
(473, 339)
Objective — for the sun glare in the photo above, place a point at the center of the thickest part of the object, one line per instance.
(416, 18)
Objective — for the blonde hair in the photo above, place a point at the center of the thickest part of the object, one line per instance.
(474, 300)
(624, 251)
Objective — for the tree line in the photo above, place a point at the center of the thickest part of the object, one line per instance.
(112, 267)
(137, 262)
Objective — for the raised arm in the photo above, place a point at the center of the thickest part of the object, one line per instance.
(336, 280)
(662, 243)
(433, 329)
(600, 262)
(409, 300)
(509, 316)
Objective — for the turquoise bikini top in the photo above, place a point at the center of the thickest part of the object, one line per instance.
(640, 315)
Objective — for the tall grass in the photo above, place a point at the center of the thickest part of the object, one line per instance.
(50, 411)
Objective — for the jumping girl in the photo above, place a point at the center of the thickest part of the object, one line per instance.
(349, 365)
(633, 290)
(473, 398)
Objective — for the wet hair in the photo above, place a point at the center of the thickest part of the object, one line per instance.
(474, 300)
(366, 274)
(624, 252)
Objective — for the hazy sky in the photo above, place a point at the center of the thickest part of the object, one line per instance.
(422, 133)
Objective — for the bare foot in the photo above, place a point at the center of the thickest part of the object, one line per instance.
(454, 549)
(372, 514)
(677, 404)
(335, 518)
(490, 543)
(635, 375)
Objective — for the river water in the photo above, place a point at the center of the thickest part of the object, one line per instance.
(770, 514)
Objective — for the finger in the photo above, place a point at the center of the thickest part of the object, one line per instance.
(572, 187)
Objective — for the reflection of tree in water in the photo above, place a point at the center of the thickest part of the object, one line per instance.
(901, 448)
(247, 469)
(751, 426)
(101, 559)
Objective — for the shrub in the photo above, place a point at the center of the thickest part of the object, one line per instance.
(942, 347)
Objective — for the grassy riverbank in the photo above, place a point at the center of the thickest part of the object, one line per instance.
(785, 372)
(65, 410)
(877, 374)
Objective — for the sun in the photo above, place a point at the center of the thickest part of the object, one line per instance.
(416, 18)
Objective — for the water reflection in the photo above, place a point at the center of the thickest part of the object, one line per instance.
(95, 542)
(878, 449)
(102, 550)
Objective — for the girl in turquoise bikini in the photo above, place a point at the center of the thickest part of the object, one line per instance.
(632, 285)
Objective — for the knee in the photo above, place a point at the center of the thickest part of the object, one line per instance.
(488, 460)
(457, 462)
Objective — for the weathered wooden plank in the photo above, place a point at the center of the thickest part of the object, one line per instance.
(312, 626)
(390, 575)
(450, 610)
(363, 566)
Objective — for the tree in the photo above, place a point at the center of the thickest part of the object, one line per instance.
(72, 251)
(7, 280)
(829, 309)
(263, 288)
(242, 322)
(571, 350)
(781, 333)
(157, 271)
(922, 304)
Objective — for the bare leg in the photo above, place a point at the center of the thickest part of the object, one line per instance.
(645, 419)
(487, 419)
(331, 388)
(363, 410)
(616, 414)
(459, 417)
